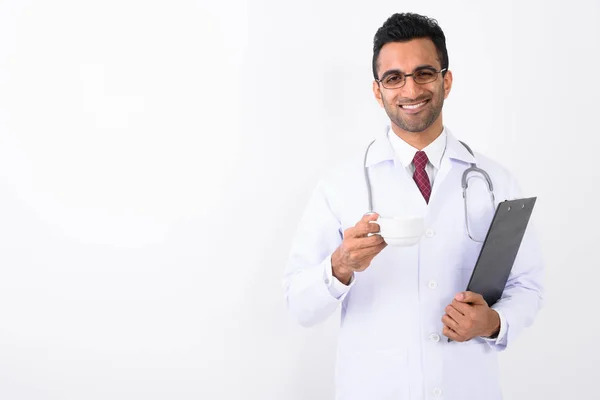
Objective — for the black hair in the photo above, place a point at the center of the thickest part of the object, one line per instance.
(406, 26)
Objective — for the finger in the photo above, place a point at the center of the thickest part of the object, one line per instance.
(361, 230)
(373, 227)
(448, 332)
(355, 232)
(456, 315)
(353, 245)
(369, 217)
(369, 253)
(369, 241)
(363, 258)
(367, 228)
(449, 322)
(463, 308)
(470, 297)
(373, 251)
(367, 224)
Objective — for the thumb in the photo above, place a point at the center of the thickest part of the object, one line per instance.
(370, 216)
(470, 297)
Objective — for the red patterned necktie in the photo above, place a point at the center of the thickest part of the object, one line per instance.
(420, 175)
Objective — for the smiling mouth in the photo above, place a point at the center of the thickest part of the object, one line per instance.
(415, 106)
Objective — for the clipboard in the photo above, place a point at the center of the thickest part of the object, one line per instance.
(500, 248)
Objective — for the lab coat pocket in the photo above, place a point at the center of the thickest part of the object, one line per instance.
(378, 374)
(477, 361)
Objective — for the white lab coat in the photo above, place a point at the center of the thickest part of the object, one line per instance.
(390, 342)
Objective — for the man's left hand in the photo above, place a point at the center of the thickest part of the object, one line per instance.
(469, 316)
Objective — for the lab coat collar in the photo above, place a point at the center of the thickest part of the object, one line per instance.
(456, 151)
(382, 150)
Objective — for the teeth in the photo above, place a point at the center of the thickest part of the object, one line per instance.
(413, 106)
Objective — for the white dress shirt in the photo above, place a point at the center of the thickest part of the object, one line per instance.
(406, 153)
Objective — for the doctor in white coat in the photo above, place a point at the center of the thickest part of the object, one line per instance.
(399, 305)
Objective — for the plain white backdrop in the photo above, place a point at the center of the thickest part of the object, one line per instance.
(155, 158)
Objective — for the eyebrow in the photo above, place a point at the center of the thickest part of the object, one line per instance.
(397, 71)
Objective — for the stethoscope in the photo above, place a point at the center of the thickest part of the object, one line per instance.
(482, 174)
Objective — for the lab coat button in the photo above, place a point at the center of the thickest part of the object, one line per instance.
(326, 281)
(434, 337)
(437, 392)
(429, 233)
(432, 284)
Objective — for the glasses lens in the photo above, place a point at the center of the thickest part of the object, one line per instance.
(393, 81)
(425, 76)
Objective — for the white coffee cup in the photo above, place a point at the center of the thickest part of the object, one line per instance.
(401, 231)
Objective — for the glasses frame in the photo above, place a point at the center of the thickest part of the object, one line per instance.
(412, 75)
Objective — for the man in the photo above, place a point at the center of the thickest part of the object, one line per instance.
(399, 305)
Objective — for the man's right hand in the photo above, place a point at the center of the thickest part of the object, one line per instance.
(358, 249)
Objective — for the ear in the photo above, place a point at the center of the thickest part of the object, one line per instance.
(377, 92)
(447, 84)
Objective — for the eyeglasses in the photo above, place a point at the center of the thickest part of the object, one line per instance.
(422, 76)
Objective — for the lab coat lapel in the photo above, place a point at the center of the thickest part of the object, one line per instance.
(412, 198)
(410, 191)
(403, 196)
(456, 156)
(454, 151)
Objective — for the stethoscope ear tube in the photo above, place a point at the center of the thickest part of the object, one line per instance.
(368, 181)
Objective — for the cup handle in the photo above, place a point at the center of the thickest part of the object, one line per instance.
(376, 233)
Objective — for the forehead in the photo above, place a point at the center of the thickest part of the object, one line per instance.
(406, 56)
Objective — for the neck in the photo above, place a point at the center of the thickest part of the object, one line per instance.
(420, 140)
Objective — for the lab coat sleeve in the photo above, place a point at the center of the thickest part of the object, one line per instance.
(336, 288)
(523, 294)
(312, 293)
(499, 339)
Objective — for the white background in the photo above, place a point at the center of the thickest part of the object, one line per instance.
(155, 160)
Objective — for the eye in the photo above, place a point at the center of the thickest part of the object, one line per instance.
(425, 73)
(393, 79)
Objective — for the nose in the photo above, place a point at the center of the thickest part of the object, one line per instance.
(410, 88)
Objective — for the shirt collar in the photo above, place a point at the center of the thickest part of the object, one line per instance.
(381, 149)
(405, 152)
